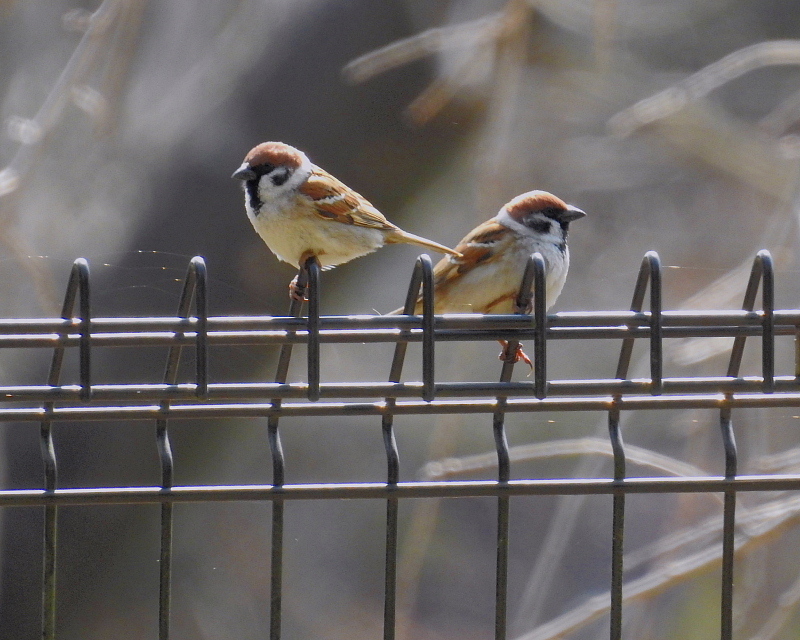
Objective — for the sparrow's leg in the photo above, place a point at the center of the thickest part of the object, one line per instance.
(297, 292)
(520, 310)
(514, 355)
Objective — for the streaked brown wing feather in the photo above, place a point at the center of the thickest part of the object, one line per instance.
(333, 200)
(476, 248)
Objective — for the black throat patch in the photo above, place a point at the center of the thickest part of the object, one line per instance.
(251, 188)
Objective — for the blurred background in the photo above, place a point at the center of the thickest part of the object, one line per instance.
(673, 125)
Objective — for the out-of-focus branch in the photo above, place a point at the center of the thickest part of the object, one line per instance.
(444, 88)
(787, 607)
(511, 59)
(483, 41)
(475, 33)
(33, 134)
(783, 116)
(751, 155)
(707, 133)
(449, 467)
(782, 462)
(764, 523)
(605, 23)
(703, 82)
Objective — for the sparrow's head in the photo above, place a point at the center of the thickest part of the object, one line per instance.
(271, 170)
(541, 214)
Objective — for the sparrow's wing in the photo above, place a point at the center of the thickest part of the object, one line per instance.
(333, 200)
(479, 246)
(484, 245)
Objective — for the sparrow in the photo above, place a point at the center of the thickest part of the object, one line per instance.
(302, 211)
(486, 276)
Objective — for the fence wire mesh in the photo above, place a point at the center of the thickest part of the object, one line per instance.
(192, 334)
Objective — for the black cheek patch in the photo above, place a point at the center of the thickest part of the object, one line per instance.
(280, 176)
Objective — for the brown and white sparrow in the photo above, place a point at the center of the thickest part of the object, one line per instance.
(487, 275)
(300, 210)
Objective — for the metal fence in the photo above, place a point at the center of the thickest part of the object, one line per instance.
(192, 330)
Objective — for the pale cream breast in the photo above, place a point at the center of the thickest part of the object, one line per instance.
(289, 235)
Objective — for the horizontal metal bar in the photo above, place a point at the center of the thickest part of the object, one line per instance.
(203, 410)
(14, 326)
(380, 490)
(526, 388)
(271, 330)
(249, 338)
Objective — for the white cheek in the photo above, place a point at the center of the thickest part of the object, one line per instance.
(269, 192)
(556, 275)
(556, 233)
(272, 193)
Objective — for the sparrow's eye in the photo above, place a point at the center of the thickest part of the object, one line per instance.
(552, 212)
(537, 224)
(263, 169)
(279, 176)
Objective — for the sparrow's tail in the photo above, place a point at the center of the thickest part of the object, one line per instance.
(399, 236)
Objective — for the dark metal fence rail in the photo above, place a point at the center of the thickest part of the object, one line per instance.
(200, 398)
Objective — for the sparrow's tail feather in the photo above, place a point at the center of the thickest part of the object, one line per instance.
(416, 310)
(403, 237)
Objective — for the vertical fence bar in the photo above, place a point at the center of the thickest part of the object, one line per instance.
(503, 519)
(194, 287)
(656, 336)
(737, 351)
(768, 324)
(390, 555)
(50, 536)
(797, 353)
(428, 345)
(532, 285)
(77, 286)
(649, 272)
(312, 269)
(198, 272)
(81, 270)
(639, 289)
(165, 558)
(617, 523)
(503, 506)
(276, 554)
(540, 330)
(761, 272)
(728, 523)
(279, 468)
(393, 467)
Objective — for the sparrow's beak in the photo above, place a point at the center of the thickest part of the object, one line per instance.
(244, 172)
(571, 214)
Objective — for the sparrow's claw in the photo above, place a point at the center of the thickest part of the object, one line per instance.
(514, 355)
(296, 292)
